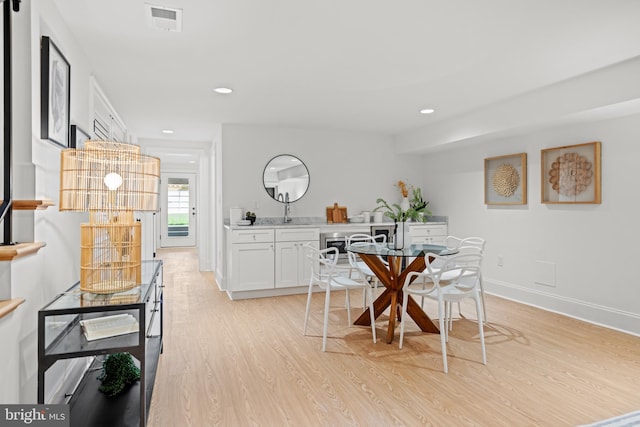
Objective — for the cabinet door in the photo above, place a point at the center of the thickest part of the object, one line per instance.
(305, 266)
(291, 266)
(287, 268)
(252, 266)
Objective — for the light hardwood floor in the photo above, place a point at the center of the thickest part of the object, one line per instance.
(246, 363)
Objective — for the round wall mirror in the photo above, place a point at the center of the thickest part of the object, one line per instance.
(286, 178)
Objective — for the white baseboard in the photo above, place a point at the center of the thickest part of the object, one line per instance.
(220, 280)
(600, 315)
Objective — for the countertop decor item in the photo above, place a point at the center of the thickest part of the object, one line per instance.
(110, 180)
(250, 216)
(410, 209)
(401, 237)
(337, 214)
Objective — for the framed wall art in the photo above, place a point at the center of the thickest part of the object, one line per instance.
(55, 93)
(505, 180)
(571, 174)
(77, 137)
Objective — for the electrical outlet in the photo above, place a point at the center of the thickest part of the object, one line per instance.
(500, 260)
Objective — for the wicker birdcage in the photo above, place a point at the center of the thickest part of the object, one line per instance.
(110, 180)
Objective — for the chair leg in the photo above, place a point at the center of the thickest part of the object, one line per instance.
(372, 314)
(481, 330)
(327, 303)
(443, 335)
(306, 313)
(484, 307)
(348, 307)
(405, 300)
(448, 314)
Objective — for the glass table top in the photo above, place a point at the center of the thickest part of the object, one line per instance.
(414, 250)
(74, 298)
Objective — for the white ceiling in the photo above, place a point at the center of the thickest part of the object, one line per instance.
(362, 65)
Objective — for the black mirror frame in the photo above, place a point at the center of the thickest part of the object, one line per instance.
(273, 196)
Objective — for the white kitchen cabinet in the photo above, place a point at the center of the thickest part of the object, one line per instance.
(431, 234)
(291, 270)
(251, 263)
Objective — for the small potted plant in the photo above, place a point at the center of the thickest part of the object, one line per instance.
(418, 204)
(251, 216)
(118, 373)
(416, 210)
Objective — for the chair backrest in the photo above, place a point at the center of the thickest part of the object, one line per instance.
(362, 239)
(454, 242)
(462, 269)
(321, 264)
(470, 250)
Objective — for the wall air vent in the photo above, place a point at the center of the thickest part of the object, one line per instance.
(163, 18)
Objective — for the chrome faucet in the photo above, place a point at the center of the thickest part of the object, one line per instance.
(287, 208)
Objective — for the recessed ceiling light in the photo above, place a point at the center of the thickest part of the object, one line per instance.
(223, 90)
(427, 111)
(167, 131)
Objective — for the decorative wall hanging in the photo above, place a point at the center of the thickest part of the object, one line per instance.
(77, 137)
(505, 180)
(55, 93)
(571, 174)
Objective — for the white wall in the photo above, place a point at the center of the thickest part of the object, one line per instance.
(593, 247)
(38, 278)
(352, 169)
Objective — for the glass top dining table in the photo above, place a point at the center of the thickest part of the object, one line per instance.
(383, 249)
(392, 274)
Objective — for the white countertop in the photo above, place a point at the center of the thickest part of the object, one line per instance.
(323, 225)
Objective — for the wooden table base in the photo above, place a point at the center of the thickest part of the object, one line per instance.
(393, 279)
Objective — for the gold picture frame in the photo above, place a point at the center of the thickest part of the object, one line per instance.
(505, 180)
(571, 174)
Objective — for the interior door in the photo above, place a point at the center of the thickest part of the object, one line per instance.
(178, 212)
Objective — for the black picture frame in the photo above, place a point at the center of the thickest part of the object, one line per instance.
(55, 93)
(77, 137)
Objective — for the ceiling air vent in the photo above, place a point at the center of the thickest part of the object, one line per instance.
(164, 18)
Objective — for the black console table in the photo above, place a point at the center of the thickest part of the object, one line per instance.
(60, 337)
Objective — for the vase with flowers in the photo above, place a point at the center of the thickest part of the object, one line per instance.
(409, 209)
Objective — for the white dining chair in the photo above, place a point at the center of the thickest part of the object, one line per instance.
(359, 266)
(324, 275)
(455, 279)
(454, 242)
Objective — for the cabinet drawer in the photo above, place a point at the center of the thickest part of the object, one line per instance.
(435, 240)
(297, 234)
(428, 230)
(252, 236)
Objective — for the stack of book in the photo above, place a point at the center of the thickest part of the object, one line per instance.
(109, 326)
